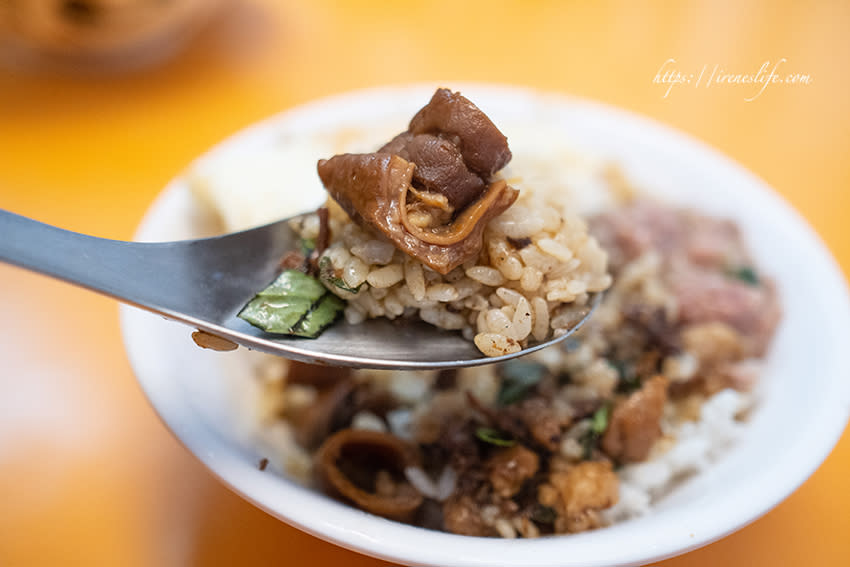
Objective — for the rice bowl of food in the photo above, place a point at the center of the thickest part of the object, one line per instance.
(653, 432)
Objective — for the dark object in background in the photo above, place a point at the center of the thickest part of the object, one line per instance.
(98, 34)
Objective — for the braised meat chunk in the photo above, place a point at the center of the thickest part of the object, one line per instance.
(636, 422)
(366, 468)
(440, 167)
(451, 115)
(429, 190)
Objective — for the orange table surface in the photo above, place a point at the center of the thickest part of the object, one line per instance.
(89, 475)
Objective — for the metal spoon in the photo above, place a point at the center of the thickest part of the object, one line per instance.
(205, 283)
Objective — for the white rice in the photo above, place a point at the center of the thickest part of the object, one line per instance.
(697, 446)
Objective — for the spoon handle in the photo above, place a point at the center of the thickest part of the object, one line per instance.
(70, 256)
(194, 281)
(132, 272)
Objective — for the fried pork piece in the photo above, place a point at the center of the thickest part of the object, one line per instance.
(720, 352)
(635, 423)
(579, 494)
(462, 515)
(510, 468)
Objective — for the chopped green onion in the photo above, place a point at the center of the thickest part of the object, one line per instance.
(518, 378)
(746, 274)
(306, 246)
(598, 425)
(294, 283)
(493, 437)
(599, 421)
(328, 274)
(294, 304)
(323, 313)
(276, 314)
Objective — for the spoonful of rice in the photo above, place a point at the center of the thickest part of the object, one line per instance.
(423, 249)
(212, 285)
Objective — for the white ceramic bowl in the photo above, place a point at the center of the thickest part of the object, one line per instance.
(806, 376)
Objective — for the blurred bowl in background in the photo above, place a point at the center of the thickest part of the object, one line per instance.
(98, 34)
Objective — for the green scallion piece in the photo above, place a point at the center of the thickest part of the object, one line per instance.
(746, 274)
(599, 421)
(493, 437)
(293, 304)
(328, 274)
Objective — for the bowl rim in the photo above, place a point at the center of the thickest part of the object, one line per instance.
(362, 532)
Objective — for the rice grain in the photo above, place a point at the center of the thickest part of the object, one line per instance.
(493, 344)
(386, 276)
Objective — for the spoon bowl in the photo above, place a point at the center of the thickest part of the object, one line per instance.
(206, 282)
